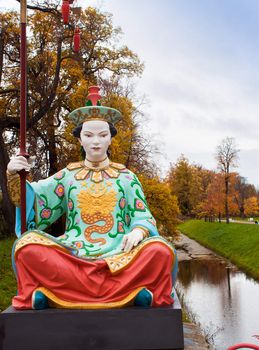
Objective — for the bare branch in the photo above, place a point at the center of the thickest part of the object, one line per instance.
(46, 8)
(7, 91)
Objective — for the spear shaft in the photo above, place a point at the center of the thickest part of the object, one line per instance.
(23, 107)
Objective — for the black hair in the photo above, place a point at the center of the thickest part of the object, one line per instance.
(77, 131)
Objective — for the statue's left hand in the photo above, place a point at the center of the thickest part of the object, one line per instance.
(132, 239)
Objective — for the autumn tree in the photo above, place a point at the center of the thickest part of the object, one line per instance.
(189, 183)
(162, 204)
(57, 80)
(251, 206)
(180, 180)
(213, 204)
(226, 156)
(244, 190)
(201, 179)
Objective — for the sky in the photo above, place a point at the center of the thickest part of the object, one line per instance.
(201, 76)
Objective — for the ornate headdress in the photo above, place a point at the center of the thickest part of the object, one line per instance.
(94, 111)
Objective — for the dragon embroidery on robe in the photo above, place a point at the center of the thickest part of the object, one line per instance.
(97, 204)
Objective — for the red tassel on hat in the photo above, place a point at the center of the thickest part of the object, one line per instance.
(65, 11)
(77, 40)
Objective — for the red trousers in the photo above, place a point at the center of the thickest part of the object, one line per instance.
(71, 279)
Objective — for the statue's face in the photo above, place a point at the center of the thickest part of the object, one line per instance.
(95, 137)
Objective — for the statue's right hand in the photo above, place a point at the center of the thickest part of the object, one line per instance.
(19, 163)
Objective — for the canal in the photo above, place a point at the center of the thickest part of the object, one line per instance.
(221, 299)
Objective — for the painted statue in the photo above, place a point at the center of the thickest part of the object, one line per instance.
(110, 254)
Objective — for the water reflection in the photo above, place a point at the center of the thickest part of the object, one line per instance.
(211, 271)
(224, 301)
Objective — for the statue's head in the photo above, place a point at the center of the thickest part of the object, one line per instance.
(95, 138)
(95, 126)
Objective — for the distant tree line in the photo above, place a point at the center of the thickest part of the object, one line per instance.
(213, 194)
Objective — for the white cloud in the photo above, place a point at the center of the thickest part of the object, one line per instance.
(199, 93)
(11, 5)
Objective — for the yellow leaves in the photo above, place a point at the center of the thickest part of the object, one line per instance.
(3, 105)
(188, 182)
(122, 143)
(251, 206)
(43, 26)
(10, 22)
(162, 203)
(118, 151)
(68, 135)
(78, 98)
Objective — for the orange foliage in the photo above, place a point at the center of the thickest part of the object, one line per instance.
(251, 206)
(214, 203)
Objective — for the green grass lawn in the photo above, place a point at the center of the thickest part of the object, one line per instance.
(7, 278)
(237, 242)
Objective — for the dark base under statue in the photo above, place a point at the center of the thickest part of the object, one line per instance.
(108, 329)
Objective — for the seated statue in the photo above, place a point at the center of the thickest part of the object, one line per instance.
(110, 254)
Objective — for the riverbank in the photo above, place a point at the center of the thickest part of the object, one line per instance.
(193, 338)
(237, 242)
(216, 294)
(188, 250)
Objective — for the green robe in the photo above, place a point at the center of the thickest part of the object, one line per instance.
(100, 207)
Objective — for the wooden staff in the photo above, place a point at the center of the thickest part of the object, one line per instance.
(23, 107)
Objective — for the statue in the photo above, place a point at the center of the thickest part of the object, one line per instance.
(110, 254)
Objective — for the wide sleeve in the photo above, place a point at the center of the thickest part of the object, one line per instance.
(45, 202)
(137, 207)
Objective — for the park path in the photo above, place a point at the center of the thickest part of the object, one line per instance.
(241, 222)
